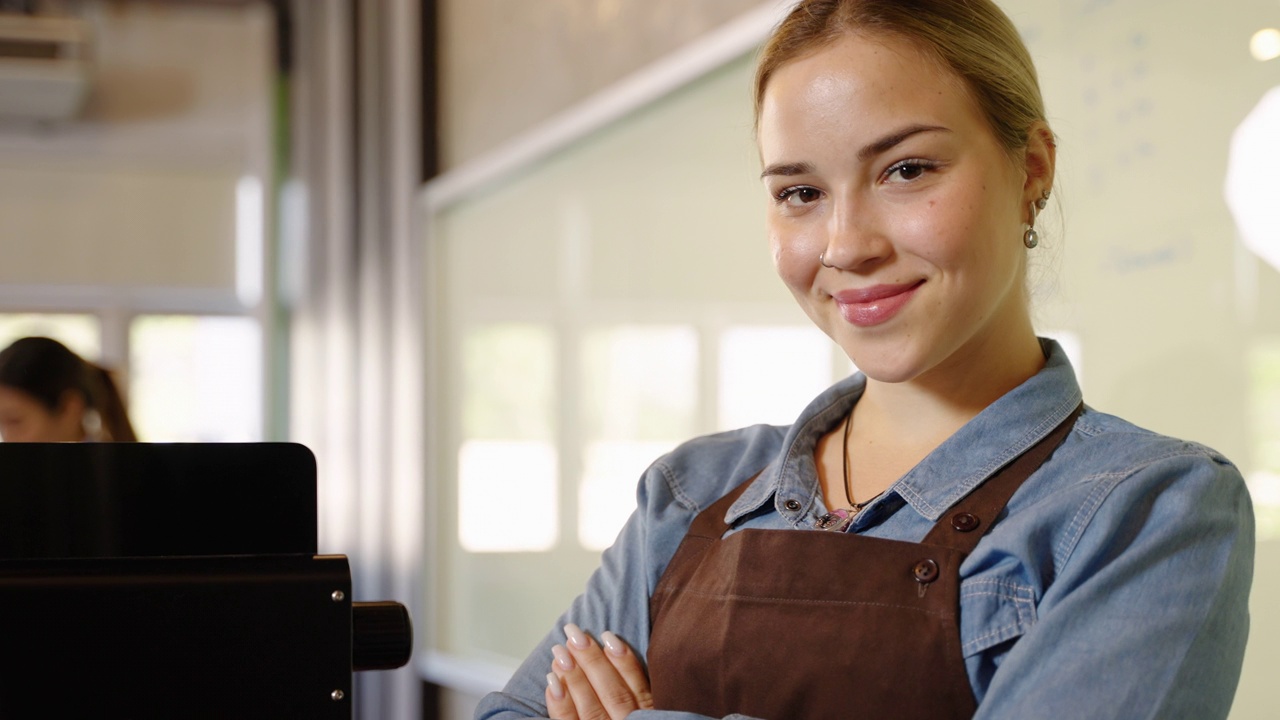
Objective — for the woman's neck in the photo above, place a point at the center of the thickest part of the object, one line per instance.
(895, 425)
(939, 402)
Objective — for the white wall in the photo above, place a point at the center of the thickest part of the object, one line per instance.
(140, 190)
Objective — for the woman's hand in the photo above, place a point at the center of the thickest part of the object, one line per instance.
(591, 682)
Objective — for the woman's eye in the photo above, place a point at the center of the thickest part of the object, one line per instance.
(799, 195)
(908, 170)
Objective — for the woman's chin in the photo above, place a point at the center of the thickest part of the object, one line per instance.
(891, 368)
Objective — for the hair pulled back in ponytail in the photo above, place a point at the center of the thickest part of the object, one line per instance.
(46, 370)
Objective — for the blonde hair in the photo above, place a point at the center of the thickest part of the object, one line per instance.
(972, 37)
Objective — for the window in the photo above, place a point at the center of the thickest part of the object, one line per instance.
(797, 360)
(195, 378)
(507, 458)
(640, 398)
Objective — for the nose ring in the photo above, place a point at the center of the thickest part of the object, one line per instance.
(823, 262)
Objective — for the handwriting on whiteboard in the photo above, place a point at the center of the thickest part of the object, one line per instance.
(1122, 260)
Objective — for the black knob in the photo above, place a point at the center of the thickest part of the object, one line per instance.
(381, 635)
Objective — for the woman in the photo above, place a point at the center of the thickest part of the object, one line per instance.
(949, 533)
(50, 394)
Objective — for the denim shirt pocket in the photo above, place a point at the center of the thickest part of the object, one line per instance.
(994, 611)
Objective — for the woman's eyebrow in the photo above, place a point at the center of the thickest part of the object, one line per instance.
(889, 141)
(785, 169)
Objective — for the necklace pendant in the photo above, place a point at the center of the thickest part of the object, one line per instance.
(836, 520)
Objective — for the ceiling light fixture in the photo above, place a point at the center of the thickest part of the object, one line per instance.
(1265, 44)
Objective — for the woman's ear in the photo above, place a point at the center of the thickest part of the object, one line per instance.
(1039, 161)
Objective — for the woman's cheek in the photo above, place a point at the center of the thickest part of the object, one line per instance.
(795, 254)
(792, 264)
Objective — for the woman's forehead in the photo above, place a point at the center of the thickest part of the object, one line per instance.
(860, 85)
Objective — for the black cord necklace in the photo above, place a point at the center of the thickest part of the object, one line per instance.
(840, 519)
(848, 483)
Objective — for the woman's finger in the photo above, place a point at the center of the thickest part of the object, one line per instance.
(559, 704)
(628, 666)
(607, 686)
(577, 686)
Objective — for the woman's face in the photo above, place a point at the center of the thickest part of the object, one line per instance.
(880, 160)
(25, 419)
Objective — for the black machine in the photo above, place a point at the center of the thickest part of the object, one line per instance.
(182, 580)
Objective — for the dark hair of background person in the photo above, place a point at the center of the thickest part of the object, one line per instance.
(46, 370)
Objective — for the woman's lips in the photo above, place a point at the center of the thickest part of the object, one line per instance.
(865, 307)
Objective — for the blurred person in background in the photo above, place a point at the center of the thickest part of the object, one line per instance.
(50, 394)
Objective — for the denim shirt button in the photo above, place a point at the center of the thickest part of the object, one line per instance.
(792, 505)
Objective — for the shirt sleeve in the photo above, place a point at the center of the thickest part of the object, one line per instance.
(616, 597)
(1148, 615)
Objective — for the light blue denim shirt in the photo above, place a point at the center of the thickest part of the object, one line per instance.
(1115, 585)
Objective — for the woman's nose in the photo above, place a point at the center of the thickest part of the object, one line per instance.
(855, 241)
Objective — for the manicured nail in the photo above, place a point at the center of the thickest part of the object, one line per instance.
(563, 659)
(553, 684)
(612, 643)
(576, 636)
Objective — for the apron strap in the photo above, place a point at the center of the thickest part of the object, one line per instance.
(968, 520)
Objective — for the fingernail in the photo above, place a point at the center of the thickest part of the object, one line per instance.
(553, 684)
(576, 636)
(612, 643)
(562, 657)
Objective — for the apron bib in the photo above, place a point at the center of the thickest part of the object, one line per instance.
(794, 624)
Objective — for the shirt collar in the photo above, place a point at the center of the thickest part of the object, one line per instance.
(1001, 432)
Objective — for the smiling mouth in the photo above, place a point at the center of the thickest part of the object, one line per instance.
(878, 304)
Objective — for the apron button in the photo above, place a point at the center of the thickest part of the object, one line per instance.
(926, 571)
(792, 505)
(964, 522)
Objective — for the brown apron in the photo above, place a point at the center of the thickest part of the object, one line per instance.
(793, 624)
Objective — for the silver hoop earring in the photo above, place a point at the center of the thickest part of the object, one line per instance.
(823, 262)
